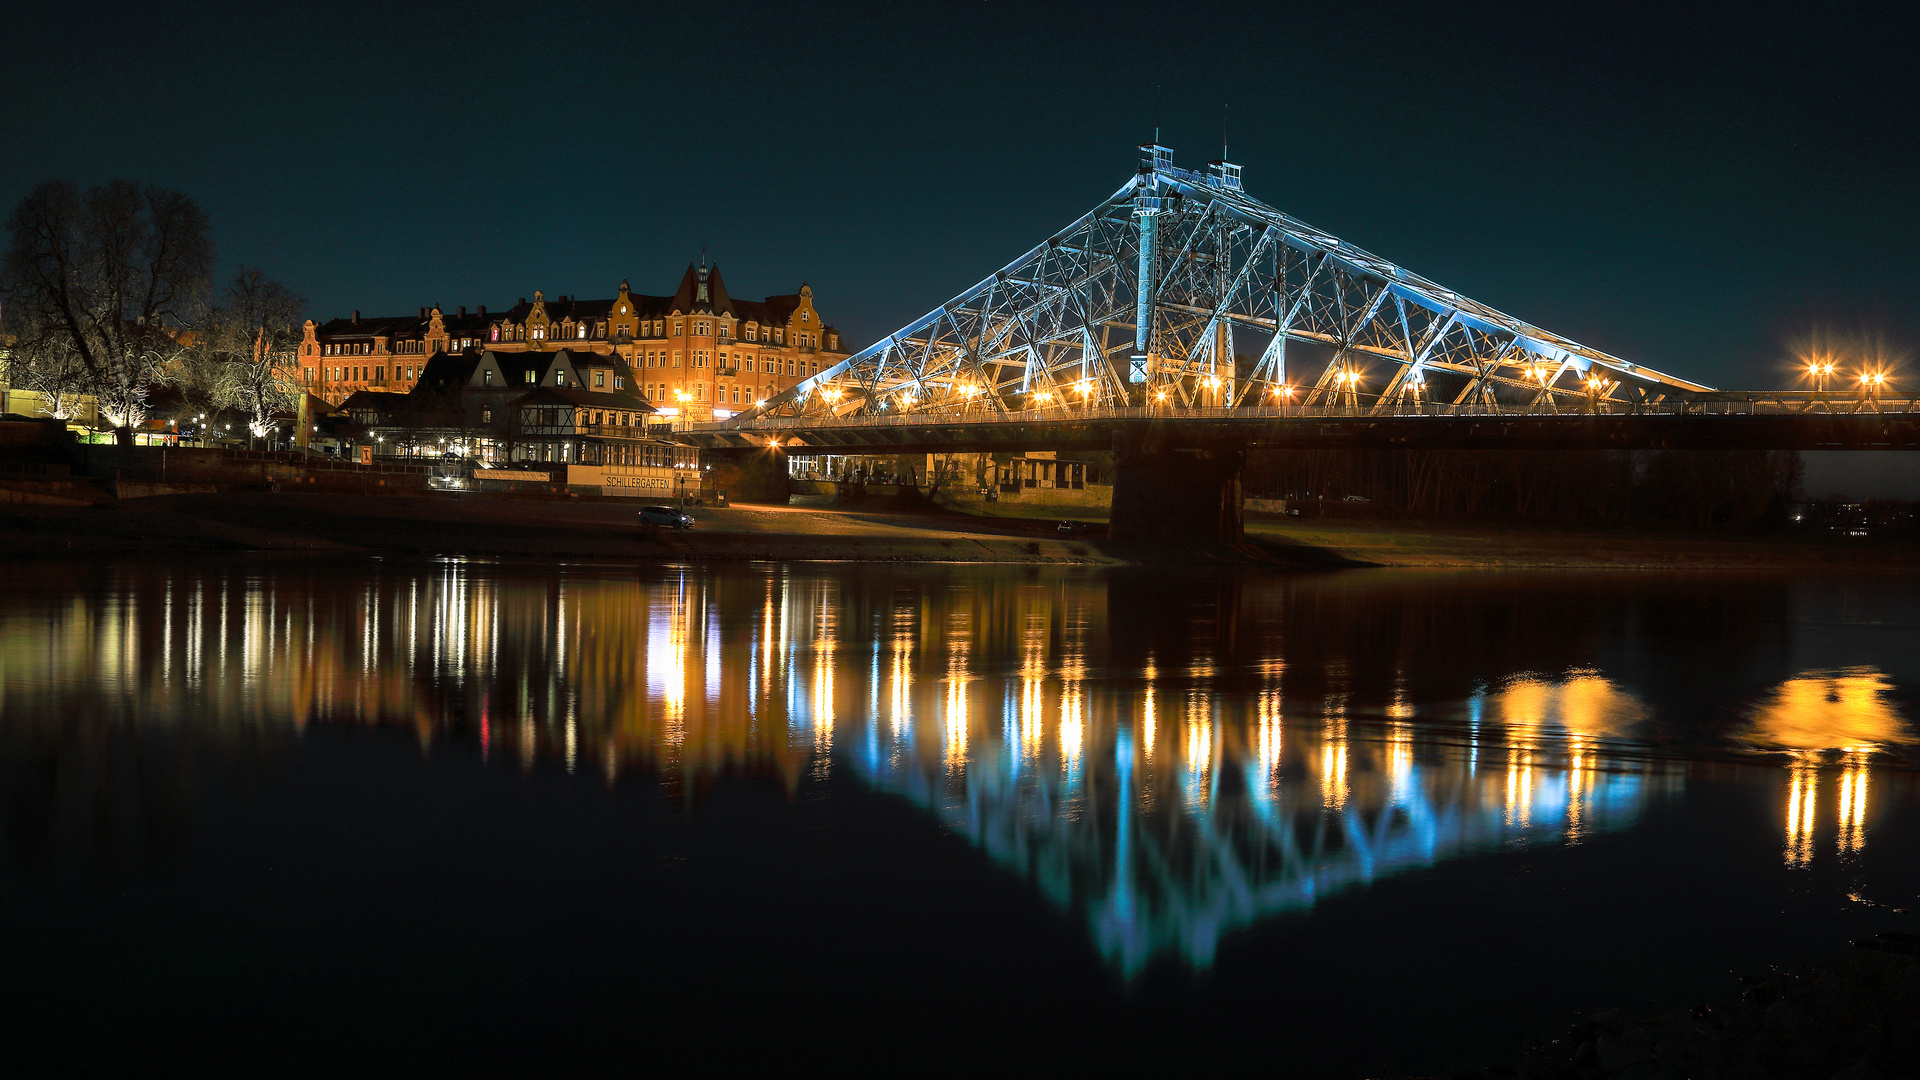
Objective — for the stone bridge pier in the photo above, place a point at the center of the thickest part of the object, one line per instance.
(754, 474)
(1168, 493)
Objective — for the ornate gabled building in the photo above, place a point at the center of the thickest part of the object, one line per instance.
(697, 354)
(553, 407)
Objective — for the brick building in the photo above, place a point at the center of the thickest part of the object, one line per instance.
(699, 354)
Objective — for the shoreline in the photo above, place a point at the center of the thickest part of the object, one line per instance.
(605, 529)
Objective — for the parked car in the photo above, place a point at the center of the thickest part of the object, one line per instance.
(670, 516)
(1073, 528)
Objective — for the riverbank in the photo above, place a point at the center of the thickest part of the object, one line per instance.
(1525, 546)
(481, 526)
(1854, 1018)
(556, 529)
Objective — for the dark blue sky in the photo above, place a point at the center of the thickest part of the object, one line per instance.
(1687, 188)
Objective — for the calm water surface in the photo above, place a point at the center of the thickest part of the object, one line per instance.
(476, 816)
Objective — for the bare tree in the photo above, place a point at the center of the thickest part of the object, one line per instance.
(42, 360)
(248, 345)
(118, 271)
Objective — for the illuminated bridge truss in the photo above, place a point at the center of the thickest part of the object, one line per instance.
(1234, 303)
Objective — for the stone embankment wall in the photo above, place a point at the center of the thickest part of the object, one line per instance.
(155, 470)
(1091, 497)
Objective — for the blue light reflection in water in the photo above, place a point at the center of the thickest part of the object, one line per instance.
(1167, 759)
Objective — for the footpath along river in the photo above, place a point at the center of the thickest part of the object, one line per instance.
(466, 815)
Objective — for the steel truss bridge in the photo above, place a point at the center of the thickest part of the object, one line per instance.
(1182, 290)
(1182, 322)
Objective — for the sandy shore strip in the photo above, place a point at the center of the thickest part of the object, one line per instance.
(607, 529)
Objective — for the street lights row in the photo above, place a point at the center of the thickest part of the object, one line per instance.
(1871, 382)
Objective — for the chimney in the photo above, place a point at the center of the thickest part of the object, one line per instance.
(483, 309)
(423, 314)
(523, 301)
(463, 309)
(356, 315)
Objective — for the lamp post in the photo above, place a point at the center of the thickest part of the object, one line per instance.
(1820, 372)
(1596, 386)
(1871, 383)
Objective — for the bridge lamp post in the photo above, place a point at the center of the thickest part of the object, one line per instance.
(1820, 373)
(1595, 387)
(1351, 395)
(1871, 383)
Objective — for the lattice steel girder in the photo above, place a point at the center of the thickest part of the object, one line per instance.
(1056, 326)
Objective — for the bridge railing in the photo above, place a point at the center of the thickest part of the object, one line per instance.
(1786, 403)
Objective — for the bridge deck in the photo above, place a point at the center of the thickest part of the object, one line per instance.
(1779, 421)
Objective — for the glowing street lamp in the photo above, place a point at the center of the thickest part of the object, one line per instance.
(1820, 373)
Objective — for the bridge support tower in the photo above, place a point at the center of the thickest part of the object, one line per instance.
(755, 475)
(1169, 494)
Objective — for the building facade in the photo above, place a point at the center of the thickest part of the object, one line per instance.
(699, 354)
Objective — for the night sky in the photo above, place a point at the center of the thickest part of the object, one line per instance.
(1691, 189)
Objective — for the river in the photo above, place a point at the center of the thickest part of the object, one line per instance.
(496, 815)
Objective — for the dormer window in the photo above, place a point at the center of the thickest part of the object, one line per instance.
(750, 332)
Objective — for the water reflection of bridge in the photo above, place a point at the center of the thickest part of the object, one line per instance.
(1167, 821)
(1167, 756)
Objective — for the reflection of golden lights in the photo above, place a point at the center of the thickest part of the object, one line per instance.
(1271, 735)
(901, 681)
(1199, 752)
(1845, 710)
(1147, 719)
(1580, 761)
(1853, 804)
(1519, 786)
(1583, 703)
(1033, 673)
(1333, 764)
(1802, 792)
(824, 656)
(1399, 750)
(959, 646)
(1073, 732)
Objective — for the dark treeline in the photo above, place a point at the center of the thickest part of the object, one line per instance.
(1699, 489)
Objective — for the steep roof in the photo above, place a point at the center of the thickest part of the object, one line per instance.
(445, 371)
(386, 326)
